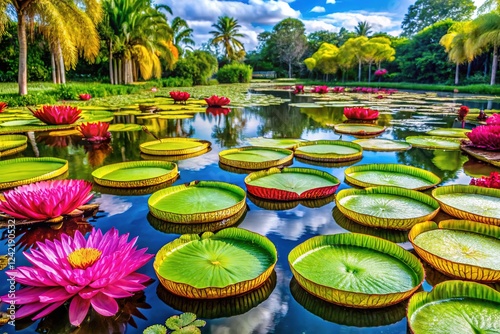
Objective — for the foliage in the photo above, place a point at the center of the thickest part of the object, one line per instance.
(428, 12)
(185, 323)
(182, 35)
(198, 66)
(315, 39)
(226, 33)
(484, 34)
(363, 28)
(324, 60)
(234, 73)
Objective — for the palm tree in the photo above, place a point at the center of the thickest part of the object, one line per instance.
(183, 35)
(363, 29)
(68, 25)
(227, 33)
(458, 45)
(485, 34)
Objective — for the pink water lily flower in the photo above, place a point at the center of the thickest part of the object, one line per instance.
(85, 97)
(92, 273)
(493, 120)
(360, 113)
(485, 137)
(95, 132)
(3, 106)
(217, 101)
(46, 199)
(57, 115)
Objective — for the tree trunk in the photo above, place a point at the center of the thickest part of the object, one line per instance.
(111, 74)
(53, 65)
(469, 65)
(23, 53)
(457, 73)
(370, 72)
(289, 69)
(62, 68)
(494, 65)
(359, 71)
(120, 71)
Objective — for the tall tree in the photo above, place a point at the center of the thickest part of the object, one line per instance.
(356, 46)
(63, 19)
(486, 35)
(183, 35)
(376, 50)
(290, 41)
(458, 45)
(427, 12)
(324, 60)
(363, 29)
(226, 33)
(315, 39)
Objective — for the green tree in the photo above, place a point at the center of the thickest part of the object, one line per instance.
(315, 39)
(183, 35)
(377, 50)
(458, 45)
(356, 46)
(485, 34)
(69, 24)
(324, 60)
(427, 12)
(226, 33)
(197, 65)
(289, 41)
(363, 29)
(346, 60)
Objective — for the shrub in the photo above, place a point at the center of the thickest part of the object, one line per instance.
(198, 66)
(234, 73)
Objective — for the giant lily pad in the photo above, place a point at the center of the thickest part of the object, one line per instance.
(288, 205)
(359, 129)
(12, 144)
(455, 307)
(492, 157)
(290, 184)
(174, 146)
(396, 175)
(16, 172)
(120, 127)
(449, 132)
(459, 248)
(387, 207)
(356, 270)
(434, 143)
(329, 151)
(470, 202)
(288, 143)
(347, 316)
(219, 308)
(229, 263)
(254, 157)
(134, 174)
(197, 202)
(382, 145)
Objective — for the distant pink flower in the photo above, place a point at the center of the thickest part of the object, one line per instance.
(338, 89)
(320, 89)
(462, 113)
(482, 116)
(57, 115)
(492, 181)
(179, 96)
(381, 72)
(154, 89)
(360, 113)
(85, 97)
(493, 120)
(380, 96)
(486, 137)
(299, 89)
(3, 106)
(46, 199)
(95, 132)
(217, 101)
(92, 273)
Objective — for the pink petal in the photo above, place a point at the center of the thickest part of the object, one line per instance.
(104, 305)
(78, 310)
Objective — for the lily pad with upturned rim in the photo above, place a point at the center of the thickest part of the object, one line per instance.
(120, 127)
(387, 207)
(359, 129)
(12, 141)
(455, 307)
(356, 270)
(395, 175)
(255, 157)
(329, 151)
(229, 263)
(449, 132)
(490, 157)
(135, 174)
(470, 202)
(434, 142)
(16, 172)
(174, 146)
(290, 184)
(288, 205)
(382, 145)
(459, 248)
(288, 143)
(197, 202)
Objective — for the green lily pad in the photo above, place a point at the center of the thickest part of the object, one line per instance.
(20, 122)
(359, 129)
(254, 157)
(329, 151)
(230, 262)
(456, 307)
(197, 202)
(16, 172)
(382, 145)
(449, 132)
(356, 270)
(433, 142)
(288, 143)
(396, 175)
(119, 127)
(174, 146)
(12, 141)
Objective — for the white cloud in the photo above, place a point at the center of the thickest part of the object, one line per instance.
(332, 2)
(316, 25)
(318, 9)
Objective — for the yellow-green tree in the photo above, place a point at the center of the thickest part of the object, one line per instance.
(356, 46)
(324, 60)
(346, 60)
(377, 50)
(485, 34)
(458, 45)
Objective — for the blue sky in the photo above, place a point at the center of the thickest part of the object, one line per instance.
(256, 16)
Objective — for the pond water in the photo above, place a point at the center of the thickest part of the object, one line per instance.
(280, 306)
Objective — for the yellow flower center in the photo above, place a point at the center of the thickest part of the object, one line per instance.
(84, 257)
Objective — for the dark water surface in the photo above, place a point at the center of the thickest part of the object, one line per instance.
(280, 306)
